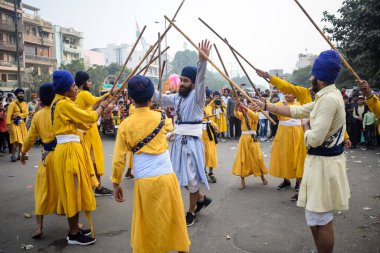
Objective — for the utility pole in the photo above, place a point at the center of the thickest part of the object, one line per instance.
(16, 6)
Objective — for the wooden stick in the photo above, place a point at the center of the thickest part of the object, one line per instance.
(159, 63)
(155, 58)
(133, 72)
(229, 45)
(126, 61)
(345, 63)
(216, 67)
(151, 59)
(245, 72)
(160, 83)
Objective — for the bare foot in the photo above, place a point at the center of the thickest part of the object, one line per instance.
(37, 233)
(265, 181)
(242, 184)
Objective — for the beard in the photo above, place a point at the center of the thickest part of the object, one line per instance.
(20, 98)
(184, 91)
(314, 85)
(86, 87)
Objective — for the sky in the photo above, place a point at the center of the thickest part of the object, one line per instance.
(270, 33)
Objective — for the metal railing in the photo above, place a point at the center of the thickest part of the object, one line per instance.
(8, 46)
(38, 58)
(8, 63)
(7, 25)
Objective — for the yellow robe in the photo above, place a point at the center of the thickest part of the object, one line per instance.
(46, 194)
(75, 173)
(85, 100)
(17, 133)
(249, 159)
(220, 120)
(132, 110)
(211, 157)
(288, 149)
(158, 219)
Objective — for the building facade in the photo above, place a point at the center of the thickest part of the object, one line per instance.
(93, 57)
(305, 60)
(68, 44)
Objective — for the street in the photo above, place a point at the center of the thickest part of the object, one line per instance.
(257, 219)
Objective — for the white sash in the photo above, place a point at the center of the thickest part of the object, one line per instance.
(250, 132)
(149, 165)
(188, 129)
(65, 138)
(290, 122)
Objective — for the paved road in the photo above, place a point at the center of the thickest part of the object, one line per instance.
(258, 219)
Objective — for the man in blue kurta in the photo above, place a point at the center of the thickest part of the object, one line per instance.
(187, 153)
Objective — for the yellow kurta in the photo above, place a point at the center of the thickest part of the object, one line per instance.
(85, 100)
(374, 105)
(75, 173)
(211, 158)
(220, 118)
(46, 194)
(303, 96)
(288, 150)
(249, 159)
(17, 133)
(158, 220)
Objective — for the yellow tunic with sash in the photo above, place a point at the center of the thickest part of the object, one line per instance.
(73, 166)
(17, 133)
(288, 149)
(158, 220)
(46, 194)
(211, 157)
(249, 159)
(131, 111)
(85, 100)
(220, 118)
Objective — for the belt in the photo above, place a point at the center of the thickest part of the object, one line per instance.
(65, 138)
(323, 151)
(250, 132)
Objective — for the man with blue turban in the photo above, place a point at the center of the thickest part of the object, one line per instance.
(324, 187)
(187, 153)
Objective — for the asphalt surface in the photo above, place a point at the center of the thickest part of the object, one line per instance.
(257, 219)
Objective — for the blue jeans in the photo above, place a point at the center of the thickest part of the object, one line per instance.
(263, 127)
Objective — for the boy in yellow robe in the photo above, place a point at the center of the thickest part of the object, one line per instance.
(249, 159)
(16, 116)
(74, 171)
(85, 100)
(209, 138)
(158, 221)
(46, 196)
(284, 161)
(219, 109)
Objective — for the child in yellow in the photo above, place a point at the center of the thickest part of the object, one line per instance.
(16, 116)
(158, 221)
(285, 159)
(74, 170)
(209, 138)
(46, 196)
(219, 110)
(85, 100)
(249, 159)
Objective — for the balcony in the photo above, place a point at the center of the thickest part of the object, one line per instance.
(72, 32)
(7, 46)
(48, 42)
(32, 39)
(72, 48)
(39, 60)
(8, 6)
(8, 26)
(8, 65)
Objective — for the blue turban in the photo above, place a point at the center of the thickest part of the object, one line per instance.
(81, 77)
(18, 90)
(190, 72)
(216, 93)
(62, 81)
(46, 93)
(327, 66)
(208, 93)
(140, 89)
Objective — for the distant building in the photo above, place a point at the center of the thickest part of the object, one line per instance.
(305, 60)
(8, 64)
(38, 41)
(93, 57)
(276, 72)
(119, 53)
(68, 44)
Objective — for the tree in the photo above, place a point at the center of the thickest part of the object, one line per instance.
(33, 80)
(73, 66)
(301, 76)
(183, 59)
(97, 74)
(357, 33)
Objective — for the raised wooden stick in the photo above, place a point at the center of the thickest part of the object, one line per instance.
(133, 72)
(245, 72)
(126, 61)
(219, 70)
(159, 63)
(345, 63)
(152, 60)
(231, 47)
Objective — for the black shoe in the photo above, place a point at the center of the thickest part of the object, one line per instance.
(13, 159)
(294, 198)
(86, 232)
(103, 192)
(284, 185)
(211, 178)
(129, 175)
(297, 187)
(80, 239)
(190, 219)
(200, 205)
